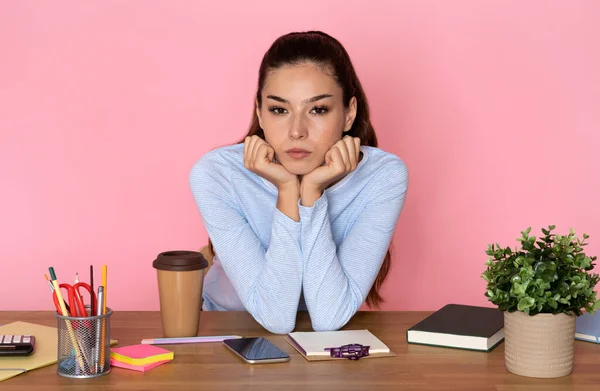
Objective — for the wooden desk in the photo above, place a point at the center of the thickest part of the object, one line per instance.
(212, 367)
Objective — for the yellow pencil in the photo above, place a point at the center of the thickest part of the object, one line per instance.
(104, 272)
(63, 309)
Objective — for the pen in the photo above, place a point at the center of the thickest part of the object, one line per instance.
(99, 343)
(168, 341)
(92, 286)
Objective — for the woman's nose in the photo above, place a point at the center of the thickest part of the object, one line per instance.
(298, 129)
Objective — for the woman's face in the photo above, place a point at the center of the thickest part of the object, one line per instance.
(303, 115)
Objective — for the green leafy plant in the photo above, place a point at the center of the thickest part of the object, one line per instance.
(546, 275)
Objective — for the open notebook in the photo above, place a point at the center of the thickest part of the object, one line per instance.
(312, 344)
(45, 351)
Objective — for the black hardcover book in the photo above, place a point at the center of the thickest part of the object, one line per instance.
(460, 326)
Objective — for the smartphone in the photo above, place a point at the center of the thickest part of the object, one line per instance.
(256, 350)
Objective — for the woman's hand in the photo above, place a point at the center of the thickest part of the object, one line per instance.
(258, 158)
(341, 159)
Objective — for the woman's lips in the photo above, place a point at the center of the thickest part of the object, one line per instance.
(297, 153)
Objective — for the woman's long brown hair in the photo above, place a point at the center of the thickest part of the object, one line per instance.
(325, 51)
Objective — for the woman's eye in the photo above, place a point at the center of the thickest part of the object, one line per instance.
(277, 110)
(319, 110)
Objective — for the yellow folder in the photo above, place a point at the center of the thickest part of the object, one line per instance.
(45, 351)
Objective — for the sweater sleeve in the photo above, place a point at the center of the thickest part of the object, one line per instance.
(337, 280)
(268, 281)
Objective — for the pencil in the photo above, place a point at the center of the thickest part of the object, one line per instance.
(67, 322)
(49, 283)
(102, 342)
(52, 290)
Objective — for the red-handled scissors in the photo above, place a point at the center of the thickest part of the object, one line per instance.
(75, 299)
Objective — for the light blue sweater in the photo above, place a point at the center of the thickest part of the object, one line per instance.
(270, 265)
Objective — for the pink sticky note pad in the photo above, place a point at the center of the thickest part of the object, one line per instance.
(140, 368)
(140, 351)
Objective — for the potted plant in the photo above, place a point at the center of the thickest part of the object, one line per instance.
(541, 287)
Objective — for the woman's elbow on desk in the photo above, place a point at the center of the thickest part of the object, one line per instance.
(328, 324)
(326, 327)
(276, 323)
(279, 328)
(275, 319)
(332, 318)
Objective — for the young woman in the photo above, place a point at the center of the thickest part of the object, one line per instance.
(301, 214)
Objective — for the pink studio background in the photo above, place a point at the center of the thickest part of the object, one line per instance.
(106, 105)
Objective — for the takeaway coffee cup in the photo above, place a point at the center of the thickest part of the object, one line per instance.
(180, 277)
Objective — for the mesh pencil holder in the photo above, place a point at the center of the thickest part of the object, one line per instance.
(84, 345)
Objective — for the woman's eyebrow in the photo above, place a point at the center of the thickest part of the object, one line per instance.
(310, 100)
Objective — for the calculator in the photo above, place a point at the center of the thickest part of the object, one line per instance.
(16, 345)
